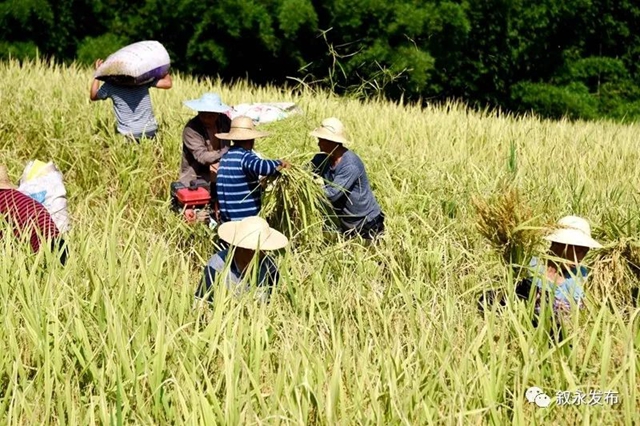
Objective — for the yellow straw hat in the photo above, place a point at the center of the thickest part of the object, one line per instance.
(242, 129)
(333, 130)
(252, 233)
(575, 231)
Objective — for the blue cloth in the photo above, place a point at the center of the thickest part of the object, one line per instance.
(132, 108)
(237, 185)
(569, 291)
(348, 189)
(268, 276)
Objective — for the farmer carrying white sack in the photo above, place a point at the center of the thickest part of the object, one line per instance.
(131, 105)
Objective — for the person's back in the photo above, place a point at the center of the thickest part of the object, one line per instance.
(132, 108)
(131, 105)
(239, 192)
(27, 216)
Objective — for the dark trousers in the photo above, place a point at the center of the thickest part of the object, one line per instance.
(61, 246)
(523, 292)
(369, 230)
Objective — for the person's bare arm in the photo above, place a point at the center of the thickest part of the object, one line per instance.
(165, 82)
(95, 84)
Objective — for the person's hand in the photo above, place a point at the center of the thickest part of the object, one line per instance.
(318, 180)
(284, 164)
(98, 63)
(190, 216)
(213, 168)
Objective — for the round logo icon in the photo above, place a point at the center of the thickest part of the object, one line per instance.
(542, 400)
(532, 392)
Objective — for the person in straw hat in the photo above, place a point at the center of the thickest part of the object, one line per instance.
(560, 278)
(201, 148)
(28, 218)
(248, 239)
(238, 183)
(347, 185)
(563, 275)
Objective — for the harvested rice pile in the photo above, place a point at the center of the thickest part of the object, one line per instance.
(615, 273)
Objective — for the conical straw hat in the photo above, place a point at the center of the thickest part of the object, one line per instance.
(252, 233)
(331, 129)
(242, 129)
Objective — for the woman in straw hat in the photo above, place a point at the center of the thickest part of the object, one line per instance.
(248, 239)
(201, 148)
(238, 182)
(560, 278)
(28, 218)
(563, 275)
(347, 184)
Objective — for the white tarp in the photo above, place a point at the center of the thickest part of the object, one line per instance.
(264, 112)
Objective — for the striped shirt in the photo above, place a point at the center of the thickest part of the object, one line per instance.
(237, 184)
(132, 108)
(26, 216)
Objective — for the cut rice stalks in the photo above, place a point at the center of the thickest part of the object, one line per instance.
(615, 273)
(507, 224)
(295, 204)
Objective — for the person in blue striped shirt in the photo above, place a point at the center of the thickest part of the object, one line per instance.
(238, 182)
(131, 105)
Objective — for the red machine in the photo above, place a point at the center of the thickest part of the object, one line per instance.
(194, 200)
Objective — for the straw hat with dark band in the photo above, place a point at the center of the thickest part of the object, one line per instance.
(252, 233)
(5, 182)
(333, 130)
(242, 129)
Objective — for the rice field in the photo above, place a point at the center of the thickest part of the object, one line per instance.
(354, 334)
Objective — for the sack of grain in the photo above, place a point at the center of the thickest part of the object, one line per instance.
(135, 64)
(43, 182)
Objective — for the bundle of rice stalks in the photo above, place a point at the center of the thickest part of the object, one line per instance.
(615, 273)
(506, 222)
(295, 204)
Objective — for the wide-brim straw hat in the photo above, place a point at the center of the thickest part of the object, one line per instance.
(242, 129)
(209, 102)
(5, 182)
(333, 130)
(575, 231)
(252, 233)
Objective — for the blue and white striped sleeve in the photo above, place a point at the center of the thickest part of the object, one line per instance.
(254, 164)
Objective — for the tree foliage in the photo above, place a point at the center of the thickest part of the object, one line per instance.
(575, 58)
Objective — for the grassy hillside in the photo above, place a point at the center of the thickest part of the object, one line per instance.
(354, 334)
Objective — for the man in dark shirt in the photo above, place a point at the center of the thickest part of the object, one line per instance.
(347, 185)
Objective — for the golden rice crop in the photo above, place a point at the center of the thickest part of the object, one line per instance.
(383, 334)
(506, 222)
